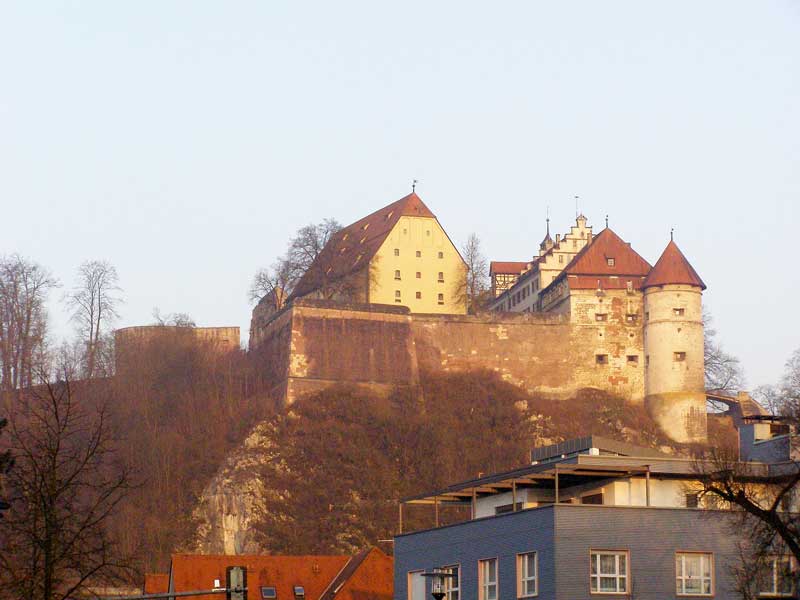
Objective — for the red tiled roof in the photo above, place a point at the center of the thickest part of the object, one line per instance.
(673, 268)
(314, 573)
(593, 258)
(351, 249)
(507, 267)
(366, 576)
(155, 583)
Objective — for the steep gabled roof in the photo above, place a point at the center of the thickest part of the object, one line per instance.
(593, 258)
(351, 249)
(507, 267)
(673, 268)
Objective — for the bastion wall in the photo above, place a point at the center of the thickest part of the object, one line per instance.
(313, 344)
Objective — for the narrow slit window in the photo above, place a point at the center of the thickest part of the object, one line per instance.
(419, 254)
(601, 359)
(678, 312)
(419, 295)
(397, 275)
(633, 359)
(441, 277)
(419, 275)
(441, 299)
(679, 356)
(441, 254)
(397, 251)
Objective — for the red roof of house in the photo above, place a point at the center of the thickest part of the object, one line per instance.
(351, 249)
(507, 267)
(593, 258)
(367, 575)
(673, 268)
(155, 583)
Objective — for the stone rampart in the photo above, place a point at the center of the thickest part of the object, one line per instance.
(313, 344)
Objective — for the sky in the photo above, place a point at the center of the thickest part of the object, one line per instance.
(185, 142)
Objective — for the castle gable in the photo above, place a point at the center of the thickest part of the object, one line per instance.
(608, 255)
(352, 248)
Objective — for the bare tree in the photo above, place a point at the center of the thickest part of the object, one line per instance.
(766, 495)
(24, 286)
(64, 490)
(94, 302)
(475, 286)
(275, 283)
(723, 372)
(173, 319)
(301, 258)
(307, 244)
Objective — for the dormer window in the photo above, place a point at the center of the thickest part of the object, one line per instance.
(366, 225)
(610, 261)
(268, 592)
(344, 237)
(299, 592)
(389, 215)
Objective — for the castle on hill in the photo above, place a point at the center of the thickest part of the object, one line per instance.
(386, 297)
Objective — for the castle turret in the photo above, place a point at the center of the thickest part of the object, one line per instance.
(673, 347)
(547, 242)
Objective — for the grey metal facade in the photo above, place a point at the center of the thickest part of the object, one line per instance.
(563, 536)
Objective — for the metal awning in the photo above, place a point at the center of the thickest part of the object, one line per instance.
(542, 476)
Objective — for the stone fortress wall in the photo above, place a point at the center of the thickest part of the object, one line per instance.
(313, 344)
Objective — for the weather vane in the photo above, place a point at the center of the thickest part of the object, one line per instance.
(671, 233)
(606, 221)
(413, 186)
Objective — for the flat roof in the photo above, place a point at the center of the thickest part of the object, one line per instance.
(574, 470)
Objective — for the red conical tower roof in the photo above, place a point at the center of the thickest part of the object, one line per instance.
(673, 268)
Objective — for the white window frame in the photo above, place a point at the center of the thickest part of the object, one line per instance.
(774, 593)
(680, 579)
(483, 585)
(617, 576)
(452, 592)
(409, 587)
(523, 576)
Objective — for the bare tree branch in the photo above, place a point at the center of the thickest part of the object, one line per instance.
(94, 303)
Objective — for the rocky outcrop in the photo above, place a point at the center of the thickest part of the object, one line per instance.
(230, 502)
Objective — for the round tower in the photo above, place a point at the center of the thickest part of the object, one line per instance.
(673, 347)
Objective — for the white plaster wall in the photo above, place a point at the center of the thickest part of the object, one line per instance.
(665, 334)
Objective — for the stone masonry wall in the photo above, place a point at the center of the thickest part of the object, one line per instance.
(318, 343)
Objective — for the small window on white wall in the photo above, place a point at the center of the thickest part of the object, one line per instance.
(527, 575)
(487, 579)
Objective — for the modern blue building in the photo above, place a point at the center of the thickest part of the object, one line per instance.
(591, 518)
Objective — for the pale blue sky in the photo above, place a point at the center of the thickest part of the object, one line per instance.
(185, 141)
